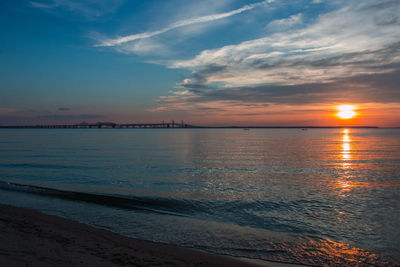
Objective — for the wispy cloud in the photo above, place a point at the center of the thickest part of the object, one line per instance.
(24, 119)
(6, 110)
(90, 9)
(307, 104)
(357, 39)
(48, 5)
(286, 23)
(71, 116)
(178, 24)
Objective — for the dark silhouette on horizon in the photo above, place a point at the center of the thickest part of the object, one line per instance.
(163, 125)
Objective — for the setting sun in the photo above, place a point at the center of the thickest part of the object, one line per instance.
(346, 111)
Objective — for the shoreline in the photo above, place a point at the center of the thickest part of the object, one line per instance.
(32, 238)
(161, 126)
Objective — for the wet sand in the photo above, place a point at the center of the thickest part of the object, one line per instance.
(31, 238)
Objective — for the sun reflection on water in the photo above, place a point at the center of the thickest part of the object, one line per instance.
(346, 148)
(345, 184)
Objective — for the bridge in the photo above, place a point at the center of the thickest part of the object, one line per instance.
(85, 125)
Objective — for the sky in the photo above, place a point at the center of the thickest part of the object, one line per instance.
(206, 62)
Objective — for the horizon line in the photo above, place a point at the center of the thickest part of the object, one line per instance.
(172, 125)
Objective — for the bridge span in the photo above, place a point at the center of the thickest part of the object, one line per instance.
(85, 125)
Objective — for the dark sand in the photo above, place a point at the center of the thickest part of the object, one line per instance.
(30, 238)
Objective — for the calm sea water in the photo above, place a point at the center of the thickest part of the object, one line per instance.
(316, 197)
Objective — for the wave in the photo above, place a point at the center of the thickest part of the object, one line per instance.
(150, 204)
(45, 166)
(302, 249)
(251, 213)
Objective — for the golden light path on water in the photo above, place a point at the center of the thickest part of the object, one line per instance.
(346, 151)
(344, 183)
(331, 249)
(347, 154)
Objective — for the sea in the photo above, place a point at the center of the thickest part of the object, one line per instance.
(317, 197)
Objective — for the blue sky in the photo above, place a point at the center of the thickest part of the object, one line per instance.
(219, 62)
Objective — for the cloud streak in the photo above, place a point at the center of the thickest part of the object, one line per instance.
(6, 110)
(362, 88)
(306, 104)
(361, 38)
(71, 116)
(88, 8)
(287, 22)
(178, 24)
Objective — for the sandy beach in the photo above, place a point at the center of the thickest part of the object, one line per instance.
(31, 238)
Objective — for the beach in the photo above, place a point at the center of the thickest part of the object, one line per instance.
(31, 238)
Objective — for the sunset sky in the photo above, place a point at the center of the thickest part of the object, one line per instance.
(207, 62)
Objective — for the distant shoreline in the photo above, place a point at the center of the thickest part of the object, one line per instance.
(159, 126)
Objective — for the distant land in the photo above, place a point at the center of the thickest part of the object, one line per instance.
(161, 125)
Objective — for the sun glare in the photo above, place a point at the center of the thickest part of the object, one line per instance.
(346, 111)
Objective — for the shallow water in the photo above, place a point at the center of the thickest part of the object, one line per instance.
(321, 196)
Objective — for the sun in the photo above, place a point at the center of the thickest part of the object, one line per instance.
(346, 111)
